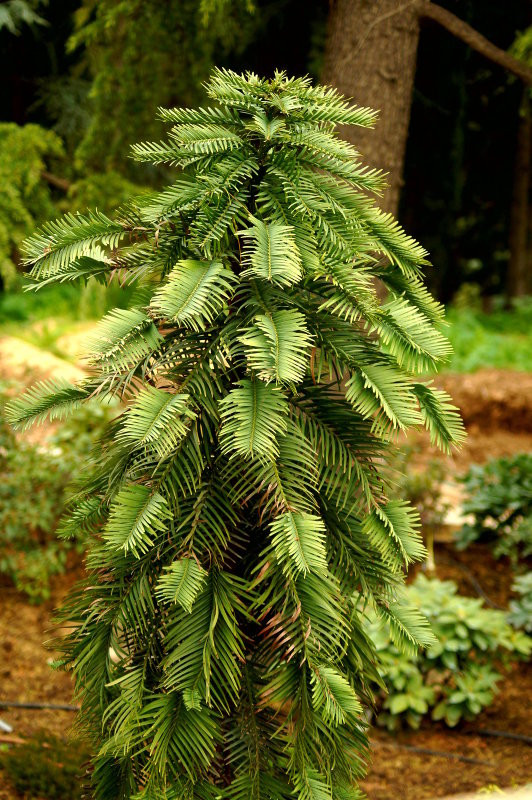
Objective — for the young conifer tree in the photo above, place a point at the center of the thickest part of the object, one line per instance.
(237, 507)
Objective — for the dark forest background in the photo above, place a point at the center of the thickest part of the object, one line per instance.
(95, 74)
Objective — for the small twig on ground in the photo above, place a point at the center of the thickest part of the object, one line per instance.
(12, 740)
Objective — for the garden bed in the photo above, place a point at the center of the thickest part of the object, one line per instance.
(396, 770)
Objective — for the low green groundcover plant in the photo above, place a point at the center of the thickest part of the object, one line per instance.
(32, 495)
(238, 508)
(520, 615)
(499, 498)
(456, 677)
(46, 767)
(33, 492)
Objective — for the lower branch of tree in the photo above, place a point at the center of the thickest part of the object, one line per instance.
(474, 39)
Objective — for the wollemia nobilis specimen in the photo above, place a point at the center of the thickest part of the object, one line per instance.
(237, 506)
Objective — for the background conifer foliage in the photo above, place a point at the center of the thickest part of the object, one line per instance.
(238, 505)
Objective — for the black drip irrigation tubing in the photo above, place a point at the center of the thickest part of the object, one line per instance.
(38, 706)
(438, 753)
(472, 580)
(519, 737)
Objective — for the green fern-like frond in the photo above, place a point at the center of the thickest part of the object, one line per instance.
(122, 338)
(196, 116)
(195, 293)
(188, 737)
(97, 265)
(205, 644)
(53, 399)
(64, 241)
(441, 418)
(278, 346)
(382, 392)
(253, 415)
(411, 339)
(271, 253)
(157, 419)
(181, 583)
(157, 153)
(299, 542)
(137, 516)
(392, 529)
(333, 696)
(205, 139)
(409, 629)
(84, 516)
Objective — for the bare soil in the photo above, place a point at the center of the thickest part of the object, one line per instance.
(492, 399)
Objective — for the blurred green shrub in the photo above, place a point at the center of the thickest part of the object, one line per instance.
(499, 498)
(62, 302)
(47, 768)
(25, 199)
(33, 491)
(105, 191)
(520, 615)
(455, 678)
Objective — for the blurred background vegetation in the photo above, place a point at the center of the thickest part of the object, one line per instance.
(82, 81)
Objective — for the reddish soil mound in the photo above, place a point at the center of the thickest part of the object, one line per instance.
(492, 399)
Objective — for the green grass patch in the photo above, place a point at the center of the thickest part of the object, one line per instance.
(501, 339)
(60, 301)
(43, 317)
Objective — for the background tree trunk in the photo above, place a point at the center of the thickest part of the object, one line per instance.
(370, 55)
(518, 267)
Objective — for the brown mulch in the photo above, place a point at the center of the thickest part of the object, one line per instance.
(26, 674)
(400, 773)
(497, 409)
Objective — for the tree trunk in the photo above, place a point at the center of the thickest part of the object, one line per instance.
(517, 278)
(370, 56)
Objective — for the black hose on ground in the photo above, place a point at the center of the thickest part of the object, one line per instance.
(439, 753)
(38, 706)
(519, 737)
(472, 580)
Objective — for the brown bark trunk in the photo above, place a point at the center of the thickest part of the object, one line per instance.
(518, 272)
(370, 56)
(56, 181)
